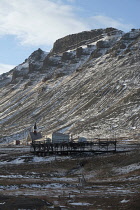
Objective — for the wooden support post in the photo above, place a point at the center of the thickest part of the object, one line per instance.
(115, 145)
(107, 145)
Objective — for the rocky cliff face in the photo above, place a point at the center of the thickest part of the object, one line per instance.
(89, 85)
(76, 40)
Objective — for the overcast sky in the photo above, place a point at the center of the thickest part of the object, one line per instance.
(26, 25)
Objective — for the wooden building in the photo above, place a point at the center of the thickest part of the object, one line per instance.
(57, 137)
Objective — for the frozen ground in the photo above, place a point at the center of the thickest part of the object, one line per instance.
(107, 181)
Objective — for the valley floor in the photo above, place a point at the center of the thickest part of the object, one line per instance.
(105, 181)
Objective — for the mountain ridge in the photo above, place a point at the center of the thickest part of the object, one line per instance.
(91, 88)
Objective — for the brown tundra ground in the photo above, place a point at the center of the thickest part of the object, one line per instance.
(89, 181)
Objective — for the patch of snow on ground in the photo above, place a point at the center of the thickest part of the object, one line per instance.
(31, 186)
(12, 176)
(35, 159)
(48, 159)
(124, 201)
(41, 159)
(21, 66)
(63, 130)
(80, 204)
(64, 179)
(16, 161)
(127, 169)
(9, 187)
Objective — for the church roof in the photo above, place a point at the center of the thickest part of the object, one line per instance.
(35, 136)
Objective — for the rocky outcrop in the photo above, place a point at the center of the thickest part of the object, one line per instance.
(76, 40)
(126, 44)
(96, 54)
(50, 61)
(37, 55)
(67, 56)
(102, 44)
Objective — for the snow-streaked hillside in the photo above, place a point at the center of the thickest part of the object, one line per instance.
(92, 89)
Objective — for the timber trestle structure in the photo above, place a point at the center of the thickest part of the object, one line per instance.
(43, 148)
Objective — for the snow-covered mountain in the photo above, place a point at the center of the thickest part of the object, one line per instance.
(88, 85)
